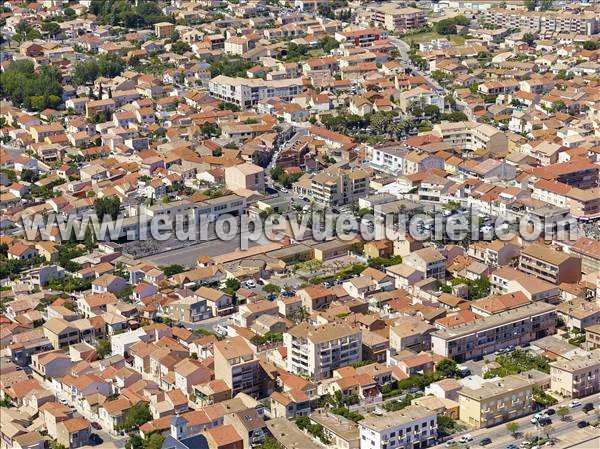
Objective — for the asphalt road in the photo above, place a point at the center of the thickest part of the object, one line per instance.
(567, 432)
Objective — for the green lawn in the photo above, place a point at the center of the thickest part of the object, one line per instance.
(430, 35)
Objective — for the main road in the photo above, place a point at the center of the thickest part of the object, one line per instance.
(566, 432)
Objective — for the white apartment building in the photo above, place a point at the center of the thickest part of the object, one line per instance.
(545, 21)
(248, 92)
(412, 427)
(316, 351)
(389, 159)
(578, 377)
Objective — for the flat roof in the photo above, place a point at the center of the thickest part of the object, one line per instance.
(536, 308)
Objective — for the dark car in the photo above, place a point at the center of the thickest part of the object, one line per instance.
(96, 426)
(588, 407)
(95, 439)
(485, 442)
(544, 422)
(550, 412)
(582, 424)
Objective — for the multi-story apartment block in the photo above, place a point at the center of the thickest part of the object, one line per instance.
(429, 261)
(338, 186)
(592, 337)
(361, 38)
(489, 334)
(316, 351)
(472, 136)
(247, 92)
(577, 377)
(414, 426)
(498, 401)
(389, 158)
(576, 173)
(236, 365)
(393, 18)
(545, 21)
(495, 253)
(549, 264)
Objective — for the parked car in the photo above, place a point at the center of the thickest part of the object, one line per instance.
(550, 412)
(574, 403)
(544, 421)
(96, 426)
(582, 424)
(450, 443)
(485, 442)
(95, 439)
(465, 438)
(588, 407)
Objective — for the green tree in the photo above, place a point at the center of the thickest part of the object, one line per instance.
(271, 288)
(170, 270)
(563, 412)
(25, 32)
(180, 47)
(29, 89)
(448, 368)
(232, 285)
(107, 206)
(137, 415)
(103, 348)
(51, 28)
(513, 428)
(445, 27)
(529, 39)
(270, 443)
(328, 44)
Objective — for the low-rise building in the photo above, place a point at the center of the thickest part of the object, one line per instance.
(577, 377)
(247, 92)
(413, 426)
(489, 334)
(498, 401)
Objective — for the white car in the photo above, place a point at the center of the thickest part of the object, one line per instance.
(250, 284)
(574, 403)
(465, 438)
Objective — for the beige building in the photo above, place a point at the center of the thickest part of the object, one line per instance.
(578, 377)
(428, 261)
(496, 402)
(164, 29)
(315, 351)
(549, 264)
(61, 333)
(544, 21)
(336, 186)
(236, 365)
(592, 337)
(245, 176)
(472, 136)
(489, 334)
(342, 432)
(393, 18)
